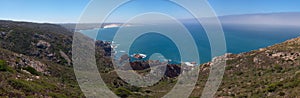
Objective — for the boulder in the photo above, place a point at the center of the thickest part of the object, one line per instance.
(43, 44)
(3, 33)
(65, 56)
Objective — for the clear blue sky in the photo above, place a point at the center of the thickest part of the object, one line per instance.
(66, 11)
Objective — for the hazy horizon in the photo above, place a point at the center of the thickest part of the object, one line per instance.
(67, 11)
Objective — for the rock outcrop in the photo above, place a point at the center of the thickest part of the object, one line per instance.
(43, 44)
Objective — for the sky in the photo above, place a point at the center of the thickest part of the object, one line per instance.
(69, 11)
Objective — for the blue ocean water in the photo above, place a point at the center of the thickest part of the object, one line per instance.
(239, 38)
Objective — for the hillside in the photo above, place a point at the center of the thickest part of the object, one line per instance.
(268, 72)
(35, 61)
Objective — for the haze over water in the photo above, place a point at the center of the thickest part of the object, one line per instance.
(239, 38)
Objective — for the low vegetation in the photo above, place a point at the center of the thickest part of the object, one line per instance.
(5, 67)
(32, 65)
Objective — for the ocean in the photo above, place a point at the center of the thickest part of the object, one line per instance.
(239, 38)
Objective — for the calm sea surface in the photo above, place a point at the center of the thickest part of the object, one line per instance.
(238, 38)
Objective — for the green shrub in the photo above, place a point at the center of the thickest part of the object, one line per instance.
(239, 73)
(32, 70)
(231, 61)
(133, 88)
(281, 93)
(272, 87)
(194, 97)
(122, 92)
(229, 67)
(32, 96)
(56, 95)
(24, 85)
(5, 67)
(278, 68)
(292, 84)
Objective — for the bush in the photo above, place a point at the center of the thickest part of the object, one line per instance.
(292, 84)
(4, 66)
(239, 73)
(229, 67)
(32, 70)
(133, 88)
(24, 85)
(56, 95)
(281, 93)
(272, 87)
(278, 68)
(123, 92)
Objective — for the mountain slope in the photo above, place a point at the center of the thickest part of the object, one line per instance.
(27, 76)
(268, 72)
(35, 61)
(46, 41)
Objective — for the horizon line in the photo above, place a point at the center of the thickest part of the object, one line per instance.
(48, 22)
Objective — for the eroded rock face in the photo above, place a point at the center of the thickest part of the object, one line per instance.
(25, 61)
(16, 60)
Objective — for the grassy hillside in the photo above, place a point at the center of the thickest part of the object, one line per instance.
(35, 62)
(269, 72)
